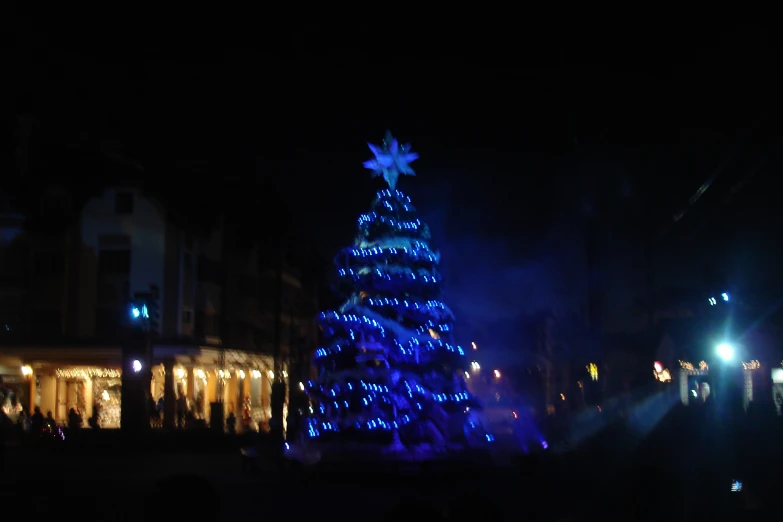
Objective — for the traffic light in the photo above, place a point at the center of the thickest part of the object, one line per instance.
(138, 310)
(145, 311)
(153, 309)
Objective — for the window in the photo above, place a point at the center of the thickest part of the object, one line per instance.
(47, 263)
(46, 323)
(207, 325)
(108, 322)
(114, 262)
(107, 295)
(114, 242)
(123, 203)
(209, 271)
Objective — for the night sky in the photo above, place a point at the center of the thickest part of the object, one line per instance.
(521, 146)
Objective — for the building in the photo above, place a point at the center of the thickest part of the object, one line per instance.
(65, 311)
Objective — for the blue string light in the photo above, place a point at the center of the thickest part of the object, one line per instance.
(393, 320)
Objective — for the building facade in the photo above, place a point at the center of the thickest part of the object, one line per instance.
(226, 317)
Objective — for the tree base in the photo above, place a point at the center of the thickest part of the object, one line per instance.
(396, 445)
(372, 455)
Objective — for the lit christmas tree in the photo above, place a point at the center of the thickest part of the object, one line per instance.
(390, 372)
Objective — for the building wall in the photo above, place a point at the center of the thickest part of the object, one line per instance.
(66, 285)
(140, 229)
(208, 283)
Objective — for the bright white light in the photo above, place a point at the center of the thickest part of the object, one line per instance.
(725, 296)
(27, 370)
(467, 375)
(135, 312)
(658, 367)
(497, 374)
(136, 365)
(725, 351)
(301, 386)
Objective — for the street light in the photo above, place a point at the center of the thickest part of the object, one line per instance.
(139, 311)
(725, 351)
(136, 365)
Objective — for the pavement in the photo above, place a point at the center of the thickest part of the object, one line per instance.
(690, 456)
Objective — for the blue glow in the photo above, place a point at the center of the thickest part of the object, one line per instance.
(391, 160)
(726, 351)
(139, 311)
(725, 296)
(389, 359)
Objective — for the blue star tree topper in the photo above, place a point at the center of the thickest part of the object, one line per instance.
(391, 160)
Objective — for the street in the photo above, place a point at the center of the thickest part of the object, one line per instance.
(687, 459)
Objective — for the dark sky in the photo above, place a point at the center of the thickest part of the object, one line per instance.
(521, 141)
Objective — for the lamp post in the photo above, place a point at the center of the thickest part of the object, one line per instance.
(727, 353)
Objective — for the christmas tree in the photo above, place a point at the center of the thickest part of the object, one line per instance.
(390, 371)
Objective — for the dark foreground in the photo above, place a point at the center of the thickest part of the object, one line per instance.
(681, 469)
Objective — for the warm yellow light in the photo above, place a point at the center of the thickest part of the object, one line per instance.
(241, 374)
(434, 334)
(703, 366)
(200, 374)
(87, 373)
(592, 369)
(685, 365)
(271, 374)
(180, 373)
(301, 386)
(752, 365)
(27, 370)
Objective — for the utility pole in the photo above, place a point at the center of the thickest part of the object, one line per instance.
(594, 287)
(278, 384)
(137, 356)
(649, 262)
(217, 414)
